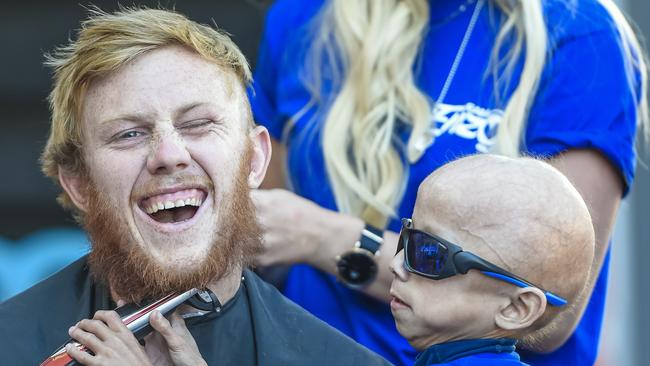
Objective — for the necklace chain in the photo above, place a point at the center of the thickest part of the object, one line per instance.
(426, 140)
(461, 9)
(460, 52)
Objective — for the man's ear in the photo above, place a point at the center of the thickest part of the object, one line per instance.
(260, 157)
(75, 186)
(526, 305)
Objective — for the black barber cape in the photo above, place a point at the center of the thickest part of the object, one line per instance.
(259, 326)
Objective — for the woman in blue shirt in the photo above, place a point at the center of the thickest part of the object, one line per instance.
(366, 98)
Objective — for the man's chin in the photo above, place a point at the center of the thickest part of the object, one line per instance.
(141, 276)
(175, 250)
(182, 265)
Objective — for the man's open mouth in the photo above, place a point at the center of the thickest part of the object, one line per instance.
(173, 207)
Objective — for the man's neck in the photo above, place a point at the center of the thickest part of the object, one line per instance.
(224, 288)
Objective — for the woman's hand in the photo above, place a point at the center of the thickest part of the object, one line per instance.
(290, 227)
(297, 230)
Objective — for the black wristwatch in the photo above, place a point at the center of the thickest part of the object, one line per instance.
(357, 267)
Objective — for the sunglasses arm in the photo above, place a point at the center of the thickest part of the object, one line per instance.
(465, 261)
(551, 298)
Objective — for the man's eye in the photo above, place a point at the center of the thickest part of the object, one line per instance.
(130, 134)
(127, 135)
(196, 124)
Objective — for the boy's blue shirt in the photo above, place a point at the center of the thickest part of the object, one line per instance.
(484, 352)
(583, 102)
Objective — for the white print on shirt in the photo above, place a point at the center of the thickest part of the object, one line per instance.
(467, 121)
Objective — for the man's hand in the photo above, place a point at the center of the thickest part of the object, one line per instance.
(109, 339)
(113, 343)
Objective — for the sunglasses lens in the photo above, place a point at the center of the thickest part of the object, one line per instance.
(425, 254)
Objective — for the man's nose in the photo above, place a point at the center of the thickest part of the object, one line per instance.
(397, 266)
(168, 154)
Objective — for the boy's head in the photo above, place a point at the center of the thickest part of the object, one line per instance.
(519, 214)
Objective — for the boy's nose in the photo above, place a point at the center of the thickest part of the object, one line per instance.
(397, 266)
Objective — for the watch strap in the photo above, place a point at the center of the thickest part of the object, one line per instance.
(371, 238)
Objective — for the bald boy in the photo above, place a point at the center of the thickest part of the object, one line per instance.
(497, 251)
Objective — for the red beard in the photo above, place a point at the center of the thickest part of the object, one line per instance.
(133, 275)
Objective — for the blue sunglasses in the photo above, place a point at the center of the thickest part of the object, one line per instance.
(428, 255)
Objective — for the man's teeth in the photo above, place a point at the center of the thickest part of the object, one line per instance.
(172, 204)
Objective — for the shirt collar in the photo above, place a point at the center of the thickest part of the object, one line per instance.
(449, 351)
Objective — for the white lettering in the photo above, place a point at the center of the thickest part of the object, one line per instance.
(467, 121)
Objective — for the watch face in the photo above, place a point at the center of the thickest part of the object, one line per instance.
(357, 268)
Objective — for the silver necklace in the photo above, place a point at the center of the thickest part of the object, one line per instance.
(461, 9)
(427, 139)
(461, 51)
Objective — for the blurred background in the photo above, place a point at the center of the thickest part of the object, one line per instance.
(37, 237)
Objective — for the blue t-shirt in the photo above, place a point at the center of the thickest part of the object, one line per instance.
(583, 101)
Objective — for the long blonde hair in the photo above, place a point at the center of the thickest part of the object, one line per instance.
(370, 47)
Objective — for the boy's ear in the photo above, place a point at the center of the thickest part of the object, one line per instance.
(75, 186)
(526, 305)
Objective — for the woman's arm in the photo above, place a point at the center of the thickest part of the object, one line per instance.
(601, 186)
